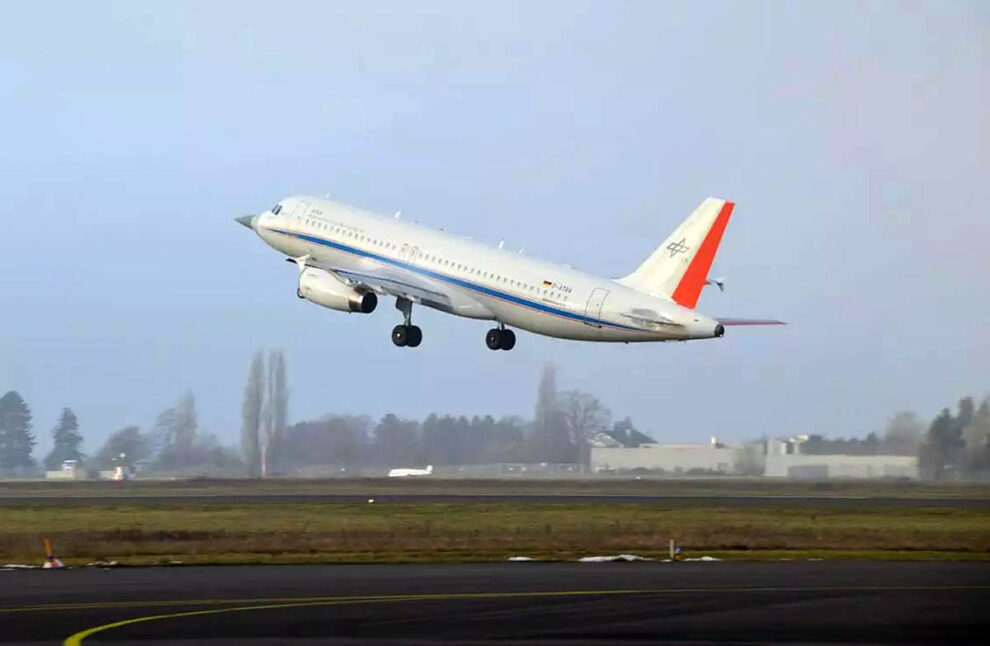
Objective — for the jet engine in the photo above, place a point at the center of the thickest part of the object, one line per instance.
(318, 286)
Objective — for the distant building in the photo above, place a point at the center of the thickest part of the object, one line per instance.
(714, 457)
(783, 459)
(71, 470)
(620, 437)
(774, 458)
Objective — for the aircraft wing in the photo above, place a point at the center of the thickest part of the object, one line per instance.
(735, 321)
(387, 280)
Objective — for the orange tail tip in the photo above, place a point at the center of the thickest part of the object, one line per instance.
(689, 289)
(678, 268)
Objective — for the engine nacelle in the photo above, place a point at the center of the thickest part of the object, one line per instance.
(317, 286)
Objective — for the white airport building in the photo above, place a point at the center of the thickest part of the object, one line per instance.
(783, 459)
(774, 459)
(669, 458)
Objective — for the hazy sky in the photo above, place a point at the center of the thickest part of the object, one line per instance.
(853, 136)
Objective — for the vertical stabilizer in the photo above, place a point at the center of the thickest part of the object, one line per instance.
(679, 267)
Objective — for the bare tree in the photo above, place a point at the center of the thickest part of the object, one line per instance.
(123, 448)
(903, 434)
(251, 416)
(583, 415)
(175, 434)
(549, 441)
(185, 424)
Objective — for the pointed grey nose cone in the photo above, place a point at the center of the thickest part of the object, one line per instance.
(247, 220)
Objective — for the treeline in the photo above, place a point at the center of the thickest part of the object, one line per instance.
(951, 447)
(902, 436)
(563, 426)
(175, 442)
(558, 433)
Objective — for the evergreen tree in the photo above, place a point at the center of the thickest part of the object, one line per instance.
(976, 437)
(942, 445)
(67, 441)
(16, 440)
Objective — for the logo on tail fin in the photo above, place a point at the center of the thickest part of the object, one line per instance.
(678, 268)
(678, 247)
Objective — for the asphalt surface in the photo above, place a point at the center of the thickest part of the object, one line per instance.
(521, 603)
(668, 500)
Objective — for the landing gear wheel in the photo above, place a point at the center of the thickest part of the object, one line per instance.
(299, 293)
(414, 336)
(508, 340)
(494, 339)
(400, 335)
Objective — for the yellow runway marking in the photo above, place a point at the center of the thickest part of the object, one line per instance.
(76, 639)
(302, 602)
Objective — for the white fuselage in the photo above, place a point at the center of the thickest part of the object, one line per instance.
(483, 282)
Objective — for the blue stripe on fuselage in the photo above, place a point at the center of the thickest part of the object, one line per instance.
(455, 281)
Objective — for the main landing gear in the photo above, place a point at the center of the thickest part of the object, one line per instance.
(500, 339)
(406, 334)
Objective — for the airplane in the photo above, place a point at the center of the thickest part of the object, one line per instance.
(409, 473)
(348, 257)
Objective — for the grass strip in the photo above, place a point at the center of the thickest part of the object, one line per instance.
(416, 532)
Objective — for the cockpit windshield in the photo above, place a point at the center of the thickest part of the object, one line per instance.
(277, 209)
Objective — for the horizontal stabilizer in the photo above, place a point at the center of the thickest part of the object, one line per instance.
(718, 282)
(728, 321)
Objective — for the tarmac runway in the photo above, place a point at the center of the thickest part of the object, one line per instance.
(521, 603)
(668, 500)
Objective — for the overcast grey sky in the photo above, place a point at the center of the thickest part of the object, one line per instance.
(853, 136)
